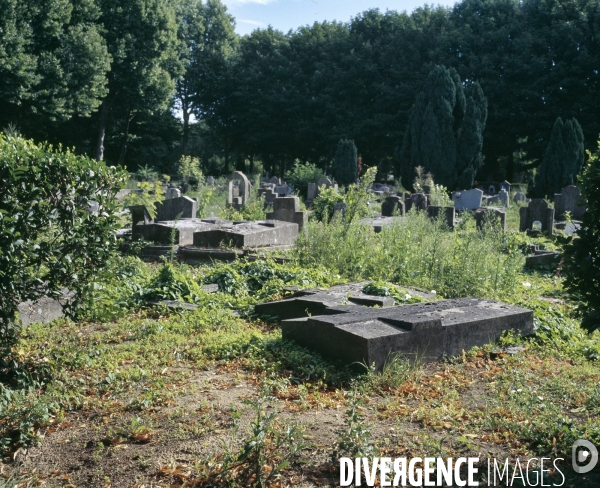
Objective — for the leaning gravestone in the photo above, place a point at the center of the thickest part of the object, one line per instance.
(393, 205)
(537, 210)
(287, 209)
(174, 208)
(237, 180)
(467, 199)
(424, 331)
(519, 197)
(449, 214)
(502, 199)
(567, 201)
(493, 214)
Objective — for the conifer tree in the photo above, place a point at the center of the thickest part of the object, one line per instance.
(563, 159)
(345, 162)
(444, 134)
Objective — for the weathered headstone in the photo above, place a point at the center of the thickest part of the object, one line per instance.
(427, 331)
(311, 193)
(282, 190)
(238, 180)
(287, 209)
(491, 190)
(519, 197)
(275, 181)
(327, 183)
(418, 201)
(393, 205)
(494, 214)
(449, 214)
(505, 185)
(172, 193)
(210, 180)
(502, 199)
(181, 207)
(539, 210)
(269, 195)
(340, 207)
(467, 199)
(567, 201)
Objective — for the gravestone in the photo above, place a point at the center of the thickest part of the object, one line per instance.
(263, 233)
(566, 201)
(424, 331)
(494, 214)
(340, 207)
(327, 183)
(418, 201)
(275, 181)
(520, 197)
(210, 180)
(172, 193)
(378, 223)
(393, 205)
(282, 190)
(502, 199)
(287, 209)
(237, 180)
(467, 199)
(491, 190)
(139, 218)
(505, 185)
(311, 193)
(181, 207)
(269, 195)
(537, 210)
(449, 214)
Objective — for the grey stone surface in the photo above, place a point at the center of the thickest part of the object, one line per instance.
(264, 233)
(539, 210)
(491, 190)
(172, 193)
(327, 183)
(467, 199)
(425, 331)
(490, 213)
(449, 214)
(121, 194)
(282, 190)
(340, 207)
(502, 199)
(378, 223)
(44, 310)
(184, 207)
(505, 185)
(210, 180)
(312, 192)
(519, 197)
(567, 201)
(543, 258)
(287, 209)
(269, 195)
(275, 181)
(392, 205)
(238, 189)
(182, 230)
(418, 201)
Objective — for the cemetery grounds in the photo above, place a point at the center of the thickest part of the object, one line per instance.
(138, 396)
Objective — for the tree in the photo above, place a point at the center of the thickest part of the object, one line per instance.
(582, 255)
(53, 62)
(345, 162)
(207, 42)
(445, 130)
(49, 240)
(563, 159)
(142, 40)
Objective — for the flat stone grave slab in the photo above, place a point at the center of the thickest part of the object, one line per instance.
(161, 232)
(315, 301)
(378, 223)
(262, 233)
(419, 332)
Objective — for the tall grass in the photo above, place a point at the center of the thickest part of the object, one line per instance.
(417, 252)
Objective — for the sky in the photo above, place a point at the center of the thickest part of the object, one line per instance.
(291, 14)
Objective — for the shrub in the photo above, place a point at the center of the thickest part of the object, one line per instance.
(49, 240)
(188, 169)
(582, 255)
(301, 175)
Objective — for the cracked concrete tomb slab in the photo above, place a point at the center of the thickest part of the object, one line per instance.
(305, 302)
(262, 233)
(424, 331)
(182, 230)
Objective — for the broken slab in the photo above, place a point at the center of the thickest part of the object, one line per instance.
(423, 332)
(262, 233)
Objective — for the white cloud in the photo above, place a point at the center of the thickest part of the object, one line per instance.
(251, 22)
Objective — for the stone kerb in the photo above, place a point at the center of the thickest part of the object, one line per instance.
(239, 180)
(537, 210)
(567, 201)
(287, 209)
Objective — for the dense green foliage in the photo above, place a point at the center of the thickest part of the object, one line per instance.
(582, 256)
(48, 238)
(345, 162)
(301, 175)
(445, 131)
(273, 97)
(563, 158)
